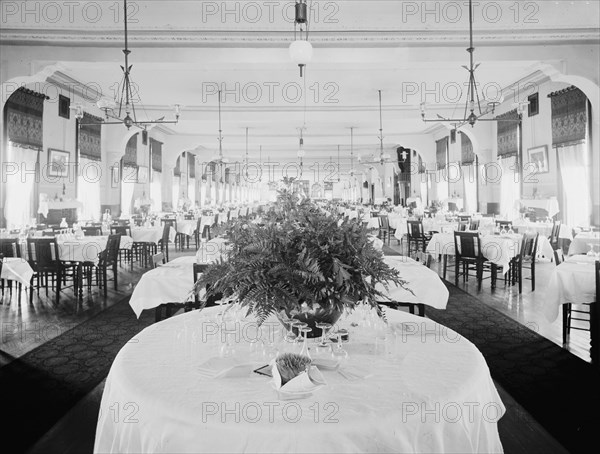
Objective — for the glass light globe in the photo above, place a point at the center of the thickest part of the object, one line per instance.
(301, 52)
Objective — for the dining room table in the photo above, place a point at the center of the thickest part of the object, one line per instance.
(585, 242)
(574, 282)
(151, 234)
(188, 384)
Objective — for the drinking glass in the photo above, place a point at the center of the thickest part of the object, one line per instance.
(339, 352)
(323, 347)
(305, 350)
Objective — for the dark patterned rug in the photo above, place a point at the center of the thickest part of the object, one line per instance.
(44, 384)
(560, 390)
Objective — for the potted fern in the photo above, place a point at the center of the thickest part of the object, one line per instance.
(302, 261)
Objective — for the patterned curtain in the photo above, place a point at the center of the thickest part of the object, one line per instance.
(508, 134)
(156, 154)
(441, 153)
(421, 165)
(130, 158)
(191, 162)
(467, 156)
(90, 136)
(24, 118)
(569, 116)
(177, 169)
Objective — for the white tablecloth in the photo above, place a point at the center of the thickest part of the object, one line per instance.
(186, 226)
(150, 234)
(16, 269)
(498, 249)
(572, 281)
(168, 283)
(429, 390)
(429, 225)
(426, 284)
(581, 242)
(543, 228)
(84, 249)
(372, 223)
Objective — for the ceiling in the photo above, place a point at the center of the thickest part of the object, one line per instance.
(359, 48)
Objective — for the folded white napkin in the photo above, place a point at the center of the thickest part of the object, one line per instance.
(302, 385)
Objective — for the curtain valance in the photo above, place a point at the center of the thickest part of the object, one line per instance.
(441, 153)
(90, 137)
(156, 154)
(24, 118)
(569, 116)
(467, 155)
(130, 158)
(508, 134)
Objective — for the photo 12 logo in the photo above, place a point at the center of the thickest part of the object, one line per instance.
(270, 92)
(267, 12)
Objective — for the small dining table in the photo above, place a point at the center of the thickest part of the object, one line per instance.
(410, 385)
(584, 242)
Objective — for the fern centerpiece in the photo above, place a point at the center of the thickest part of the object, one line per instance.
(302, 261)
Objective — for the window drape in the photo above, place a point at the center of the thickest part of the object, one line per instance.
(509, 188)
(569, 116)
(469, 177)
(156, 154)
(467, 155)
(441, 153)
(155, 191)
(90, 137)
(574, 172)
(191, 164)
(508, 134)
(130, 158)
(88, 189)
(24, 118)
(19, 185)
(175, 191)
(127, 189)
(192, 190)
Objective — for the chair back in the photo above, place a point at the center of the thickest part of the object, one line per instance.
(474, 224)
(504, 224)
(188, 217)
(199, 268)
(111, 253)
(529, 246)
(554, 234)
(165, 234)
(464, 218)
(157, 259)
(92, 231)
(467, 245)
(169, 222)
(463, 226)
(414, 229)
(42, 254)
(9, 247)
(559, 257)
(384, 222)
(121, 230)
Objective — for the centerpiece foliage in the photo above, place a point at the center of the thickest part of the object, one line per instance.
(299, 258)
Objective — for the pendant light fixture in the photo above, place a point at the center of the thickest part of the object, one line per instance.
(301, 50)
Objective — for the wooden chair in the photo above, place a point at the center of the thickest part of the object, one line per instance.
(125, 254)
(416, 234)
(9, 247)
(43, 257)
(587, 315)
(464, 218)
(164, 241)
(506, 225)
(92, 230)
(554, 235)
(525, 259)
(474, 224)
(157, 260)
(467, 246)
(108, 258)
(463, 226)
(384, 228)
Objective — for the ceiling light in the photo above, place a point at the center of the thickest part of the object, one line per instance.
(301, 50)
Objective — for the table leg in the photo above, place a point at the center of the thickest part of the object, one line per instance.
(80, 279)
(594, 326)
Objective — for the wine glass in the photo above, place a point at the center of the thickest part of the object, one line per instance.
(339, 353)
(305, 350)
(322, 346)
(289, 336)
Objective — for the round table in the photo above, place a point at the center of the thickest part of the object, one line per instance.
(422, 389)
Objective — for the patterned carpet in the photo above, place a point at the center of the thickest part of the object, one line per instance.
(560, 390)
(41, 386)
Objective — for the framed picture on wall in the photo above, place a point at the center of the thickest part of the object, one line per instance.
(114, 177)
(142, 176)
(538, 156)
(58, 163)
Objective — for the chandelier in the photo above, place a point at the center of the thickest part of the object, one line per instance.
(122, 111)
(383, 157)
(301, 50)
(220, 159)
(473, 101)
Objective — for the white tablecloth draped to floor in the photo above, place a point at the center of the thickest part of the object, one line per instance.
(581, 243)
(572, 281)
(150, 234)
(425, 389)
(16, 269)
(186, 226)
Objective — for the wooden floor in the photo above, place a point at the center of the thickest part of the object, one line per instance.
(26, 326)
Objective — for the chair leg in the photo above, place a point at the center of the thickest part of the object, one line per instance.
(532, 276)
(519, 271)
(115, 275)
(445, 265)
(456, 270)
(566, 313)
